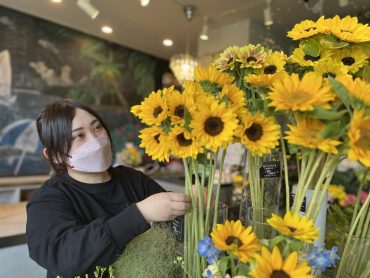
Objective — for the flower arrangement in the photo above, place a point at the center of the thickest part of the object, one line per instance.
(235, 251)
(321, 91)
(130, 155)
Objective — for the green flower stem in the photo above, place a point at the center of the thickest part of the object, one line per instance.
(233, 268)
(361, 187)
(287, 190)
(306, 168)
(307, 183)
(212, 166)
(221, 167)
(302, 180)
(323, 191)
(330, 163)
(200, 199)
(305, 155)
(366, 230)
(349, 239)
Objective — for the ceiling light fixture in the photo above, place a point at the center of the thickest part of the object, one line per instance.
(88, 8)
(167, 42)
(204, 34)
(56, 1)
(183, 65)
(267, 14)
(107, 29)
(144, 3)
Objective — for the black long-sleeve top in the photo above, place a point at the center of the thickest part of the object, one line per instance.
(72, 227)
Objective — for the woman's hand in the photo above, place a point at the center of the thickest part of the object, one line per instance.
(164, 206)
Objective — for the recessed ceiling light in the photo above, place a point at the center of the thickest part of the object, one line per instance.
(144, 3)
(167, 42)
(56, 1)
(107, 29)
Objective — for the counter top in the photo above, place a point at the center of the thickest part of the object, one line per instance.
(13, 223)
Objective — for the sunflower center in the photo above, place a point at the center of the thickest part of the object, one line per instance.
(158, 110)
(231, 59)
(327, 74)
(292, 229)
(348, 61)
(311, 58)
(279, 274)
(156, 138)
(271, 69)
(234, 240)
(179, 111)
(254, 132)
(251, 59)
(213, 126)
(183, 142)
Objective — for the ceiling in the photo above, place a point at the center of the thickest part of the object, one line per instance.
(144, 28)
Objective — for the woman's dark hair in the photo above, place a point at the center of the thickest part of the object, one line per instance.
(54, 126)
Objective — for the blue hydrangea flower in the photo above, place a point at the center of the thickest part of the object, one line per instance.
(207, 274)
(332, 255)
(206, 249)
(322, 258)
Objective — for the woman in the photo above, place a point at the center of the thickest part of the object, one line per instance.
(82, 218)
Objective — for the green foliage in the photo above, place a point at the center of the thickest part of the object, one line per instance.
(150, 254)
(331, 42)
(325, 114)
(341, 92)
(366, 73)
(312, 48)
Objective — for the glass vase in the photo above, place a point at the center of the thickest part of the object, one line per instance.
(262, 191)
(256, 218)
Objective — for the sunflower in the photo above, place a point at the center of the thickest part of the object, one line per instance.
(193, 90)
(359, 138)
(330, 68)
(290, 93)
(178, 105)
(136, 110)
(352, 58)
(295, 226)
(211, 79)
(258, 133)
(272, 70)
(348, 29)
(213, 123)
(357, 88)
(182, 143)
(252, 56)
(303, 59)
(306, 29)
(307, 133)
(235, 238)
(155, 143)
(272, 265)
(235, 97)
(153, 109)
(227, 59)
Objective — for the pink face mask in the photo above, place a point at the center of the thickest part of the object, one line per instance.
(93, 156)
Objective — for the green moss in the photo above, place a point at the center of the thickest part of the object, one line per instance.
(150, 255)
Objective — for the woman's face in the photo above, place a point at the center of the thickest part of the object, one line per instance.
(84, 128)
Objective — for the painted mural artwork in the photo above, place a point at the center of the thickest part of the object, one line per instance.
(41, 62)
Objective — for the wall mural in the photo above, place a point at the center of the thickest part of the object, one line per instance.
(41, 62)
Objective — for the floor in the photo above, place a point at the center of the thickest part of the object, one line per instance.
(15, 263)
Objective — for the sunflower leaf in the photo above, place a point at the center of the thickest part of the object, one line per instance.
(366, 73)
(276, 240)
(202, 159)
(223, 265)
(331, 42)
(332, 129)
(166, 125)
(312, 48)
(341, 92)
(293, 148)
(187, 117)
(324, 114)
(365, 46)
